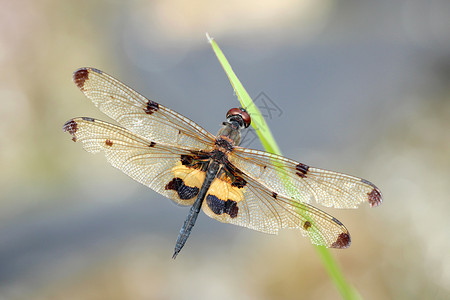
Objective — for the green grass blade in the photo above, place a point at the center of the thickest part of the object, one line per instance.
(346, 290)
(258, 122)
(267, 140)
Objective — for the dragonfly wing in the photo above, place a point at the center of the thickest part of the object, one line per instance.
(304, 183)
(155, 165)
(138, 114)
(249, 204)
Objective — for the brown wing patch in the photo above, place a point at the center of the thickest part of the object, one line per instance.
(108, 143)
(151, 107)
(79, 77)
(306, 225)
(233, 175)
(375, 197)
(343, 241)
(239, 182)
(71, 127)
(302, 169)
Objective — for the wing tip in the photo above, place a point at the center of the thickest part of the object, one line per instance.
(342, 242)
(82, 74)
(71, 127)
(375, 198)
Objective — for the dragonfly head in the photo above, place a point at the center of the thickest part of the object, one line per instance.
(240, 116)
(237, 119)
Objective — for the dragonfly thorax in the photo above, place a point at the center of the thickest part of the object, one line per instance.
(230, 132)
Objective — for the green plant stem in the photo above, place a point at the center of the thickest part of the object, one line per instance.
(345, 289)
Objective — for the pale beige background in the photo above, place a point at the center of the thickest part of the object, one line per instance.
(363, 88)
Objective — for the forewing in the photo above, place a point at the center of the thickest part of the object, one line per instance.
(304, 183)
(254, 206)
(139, 114)
(153, 164)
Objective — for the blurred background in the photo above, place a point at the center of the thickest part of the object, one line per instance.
(360, 87)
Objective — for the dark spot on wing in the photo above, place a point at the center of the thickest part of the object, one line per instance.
(199, 161)
(302, 170)
(220, 207)
(88, 119)
(71, 126)
(96, 70)
(274, 195)
(108, 143)
(186, 160)
(151, 107)
(234, 174)
(343, 241)
(239, 182)
(80, 76)
(337, 221)
(375, 197)
(152, 144)
(184, 192)
(306, 225)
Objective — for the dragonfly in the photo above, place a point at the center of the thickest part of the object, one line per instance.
(177, 158)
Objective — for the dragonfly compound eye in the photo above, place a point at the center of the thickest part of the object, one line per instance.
(243, 115)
